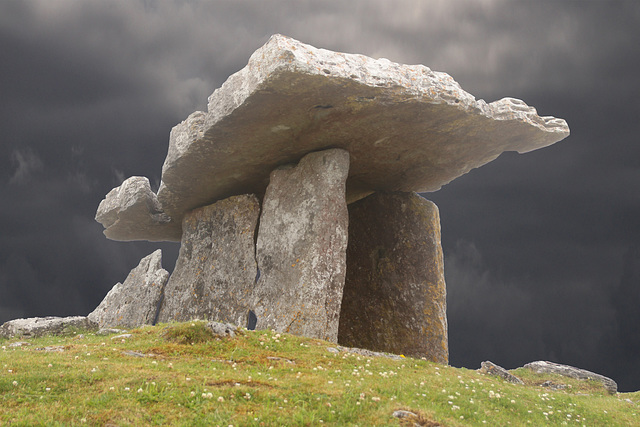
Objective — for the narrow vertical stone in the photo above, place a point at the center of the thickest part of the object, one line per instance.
(395, 294)
(301, 247)
(216, 268)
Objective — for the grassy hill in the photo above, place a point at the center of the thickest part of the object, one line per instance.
(178, 374)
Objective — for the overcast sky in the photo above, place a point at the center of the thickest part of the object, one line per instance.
(542, 250)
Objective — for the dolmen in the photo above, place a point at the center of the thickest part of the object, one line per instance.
(294, 196)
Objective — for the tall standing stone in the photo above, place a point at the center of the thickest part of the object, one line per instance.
(301, 247)
(135, 302)
(395, 295)
(216, 268)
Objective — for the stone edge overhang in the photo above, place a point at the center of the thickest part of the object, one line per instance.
(284, 55)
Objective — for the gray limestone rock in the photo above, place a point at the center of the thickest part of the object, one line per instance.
(222, 330)
(491, 368)
(406, 127)
(403, 414)
(301, 247)
(364, 352)
(39, 326)
(395, 294)
(543, 367)
(216, 268)
(135, 302)
(132, 212)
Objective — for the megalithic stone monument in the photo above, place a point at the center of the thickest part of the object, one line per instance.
(404, 128)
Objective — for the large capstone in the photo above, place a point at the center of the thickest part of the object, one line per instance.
(395, 295)
(301, 247)
(135, 302)
(406, 128)
(216, 268)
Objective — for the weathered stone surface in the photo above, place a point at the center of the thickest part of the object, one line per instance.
(491, 368)
(395, 294)
(132, 212)
(543, 367)
(216, 268)
(364, 352)
(39, 326)
(407, 128)
(222, 330)
(135, 302)
(301, 247)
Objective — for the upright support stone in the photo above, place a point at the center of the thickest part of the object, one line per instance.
(395, 295)
(216, 269)
(301, 247)
(135, 302)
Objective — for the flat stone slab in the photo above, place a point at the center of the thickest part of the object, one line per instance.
(135, 302)
(395, 295)
(544, 367)
(301, 247)
(216, 268)
(50, 325)
(406, 128)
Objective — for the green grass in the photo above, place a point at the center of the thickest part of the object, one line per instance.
(258, 378)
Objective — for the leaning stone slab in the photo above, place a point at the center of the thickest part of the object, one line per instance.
(406, 127)
(216, 268)
(39, 326)
(301, 247)
(395, 294)
(135, 302)
(491, 368)
(542, 367)
(132, 212)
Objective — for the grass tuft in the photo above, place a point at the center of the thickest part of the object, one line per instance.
(188, 333)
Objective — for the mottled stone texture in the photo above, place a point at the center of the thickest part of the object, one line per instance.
(395, 296)
(135, 302)
(216, 268)
(301, 247)
(39, 326)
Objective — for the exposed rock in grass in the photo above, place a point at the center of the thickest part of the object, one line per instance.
(221, 330)
(363, 352)
(51, 325)
(491, 368)
(543, 367)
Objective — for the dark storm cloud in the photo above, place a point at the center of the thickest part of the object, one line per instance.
(540, 249)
